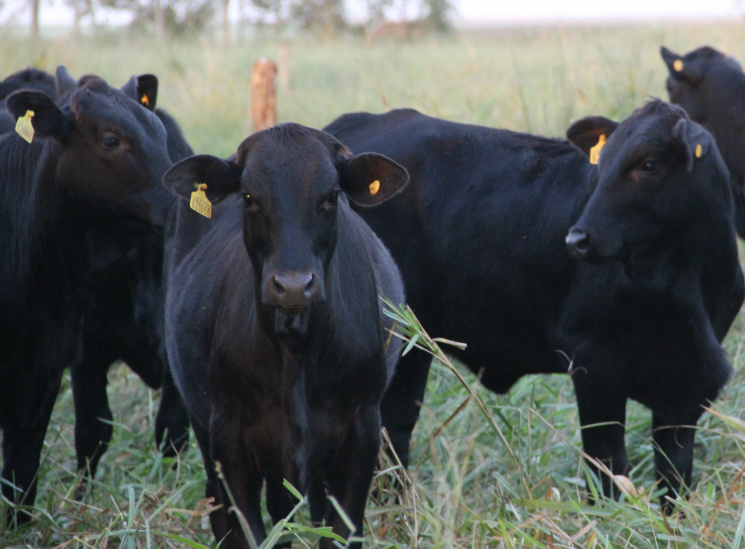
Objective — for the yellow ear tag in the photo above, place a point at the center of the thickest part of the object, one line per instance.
(24, 127)
(698, 151)
(678, 65)
(145, 101)
(374, 187)
(595, 151)
(199, 201)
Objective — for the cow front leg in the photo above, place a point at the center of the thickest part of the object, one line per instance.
(22, 446)
(241, 482)
(602, 416)
(172, 422)
(674, 432)
(351, 475)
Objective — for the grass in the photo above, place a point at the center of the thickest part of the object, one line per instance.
(505, 475)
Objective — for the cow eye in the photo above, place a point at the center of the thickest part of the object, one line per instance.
(650, 167)
(331, 200)
(110, 141)
(250, 204)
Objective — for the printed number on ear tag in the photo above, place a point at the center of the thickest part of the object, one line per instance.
(595, 151)
(374, 187)
(24, 127)
(199, 201)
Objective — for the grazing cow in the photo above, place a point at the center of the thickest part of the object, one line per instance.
(710, 86)
(30, 78)
(72, 201)
(274, 326)
(479, 235)
(126, 322)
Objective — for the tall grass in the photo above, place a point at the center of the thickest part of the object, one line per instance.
(505, 474)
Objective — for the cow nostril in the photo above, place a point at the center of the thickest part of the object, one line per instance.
(279, 285)
(310, 285)
(578, 242)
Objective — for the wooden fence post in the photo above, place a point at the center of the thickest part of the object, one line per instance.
(263, 98)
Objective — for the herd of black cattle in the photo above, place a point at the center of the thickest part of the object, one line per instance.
(249, 288)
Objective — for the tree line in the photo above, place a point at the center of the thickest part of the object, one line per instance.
(181, 17)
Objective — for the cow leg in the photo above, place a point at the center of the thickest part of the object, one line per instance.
(172, 422)
(212, 486)
(403, 399)
(352, 473)
(602, 416)
(674, 433)
(242, 479)
(93, 429)
(22, 448)
(279, 503)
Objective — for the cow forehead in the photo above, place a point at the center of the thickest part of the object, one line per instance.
(102, 106)
(293, 168)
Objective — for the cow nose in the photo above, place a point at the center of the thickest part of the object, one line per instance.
(294, 290)
(579, 242)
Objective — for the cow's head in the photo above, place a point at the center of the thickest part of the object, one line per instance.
(34, 79)
(294, 183)
(660, 181)
(109, 156)
(698, 80)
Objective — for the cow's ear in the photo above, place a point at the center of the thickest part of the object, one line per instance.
(590, 133)
(221, 177)
(678, 68)
(143, 89)
(47, 119)
(696, 140)
(65, 81)
(369, 179)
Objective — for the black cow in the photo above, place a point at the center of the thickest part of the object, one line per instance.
(275, 332)
(479, 236)
(73, 201)
(710, 86)
(30, 78)
(126, 321)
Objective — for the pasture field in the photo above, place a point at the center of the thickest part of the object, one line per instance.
(508, 475)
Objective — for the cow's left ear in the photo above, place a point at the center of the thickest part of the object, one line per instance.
(678, 68)
(696, 140)
(369, 179)
(47, 119)
(143, 89)
(216, 177)
(590, 133)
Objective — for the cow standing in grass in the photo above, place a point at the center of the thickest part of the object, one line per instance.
(275, 327)
(481, 235)
(72, 202)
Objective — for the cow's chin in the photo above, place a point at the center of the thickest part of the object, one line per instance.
(291, 327)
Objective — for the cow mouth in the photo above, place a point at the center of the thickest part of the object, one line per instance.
(291, 326)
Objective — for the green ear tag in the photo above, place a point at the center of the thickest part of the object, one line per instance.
(24, 127)
(199, 201)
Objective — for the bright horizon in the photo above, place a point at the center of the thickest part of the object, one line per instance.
(485, 11)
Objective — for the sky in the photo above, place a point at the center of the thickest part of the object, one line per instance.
(507, 11)
(516, 10)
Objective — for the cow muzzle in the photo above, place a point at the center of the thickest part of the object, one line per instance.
(580, 244)
(293, 292)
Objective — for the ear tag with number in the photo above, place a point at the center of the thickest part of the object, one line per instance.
(374, 187)
(698, 151)
(199, 201)
(595, 151)
(24, 127)
(678, 65)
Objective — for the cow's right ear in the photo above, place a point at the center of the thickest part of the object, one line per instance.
(221, 177)
(369, 179)
(47, 120)
(590, 133)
